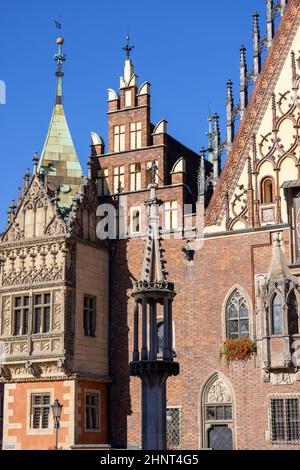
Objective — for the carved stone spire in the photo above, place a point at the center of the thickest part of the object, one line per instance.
(152, 268)
(229, 115)
(201, 177)
(279, 266)
(256, 47)
(217, 153)
(270, 22)
(243, 82)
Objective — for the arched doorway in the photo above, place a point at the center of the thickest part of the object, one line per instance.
(217, 414)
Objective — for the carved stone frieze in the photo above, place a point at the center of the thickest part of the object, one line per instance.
(219, 393)
(282, 378)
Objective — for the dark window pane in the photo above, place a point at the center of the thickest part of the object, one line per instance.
(232, 312)
(160, 338)
(46, 319)
(277, 315)
(244, 326)
(47, 299)
(37, 299)
(17, 323)
(18, 301)
(293, 320)
(25, 321)
(243, 311)
(37, 320)
(26, 301)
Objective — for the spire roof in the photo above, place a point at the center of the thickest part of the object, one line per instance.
(59, 159)
(279, 266)
(152, 268)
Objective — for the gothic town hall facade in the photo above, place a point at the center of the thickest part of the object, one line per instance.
(229, 241)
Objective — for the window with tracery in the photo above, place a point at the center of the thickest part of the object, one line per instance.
(237, 316)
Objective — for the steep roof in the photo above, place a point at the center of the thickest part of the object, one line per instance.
(59, 159)
(263, 90)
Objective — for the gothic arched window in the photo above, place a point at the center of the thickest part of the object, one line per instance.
(267, 194)
(293, 320)
(277, 315)
(237, 316)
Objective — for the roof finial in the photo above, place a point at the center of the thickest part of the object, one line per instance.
(35, 160)
(128, 48)
(59, 57)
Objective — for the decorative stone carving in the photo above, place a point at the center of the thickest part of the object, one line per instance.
(14, 233)
(19, 347)
(55, 227)
(29, 366)
(281, 378)
(6, 315)
(57, 310)
(219, 393)
(39, 346)
(266, 376)
(255, 112)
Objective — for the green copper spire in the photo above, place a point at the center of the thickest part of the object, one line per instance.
(59, 159)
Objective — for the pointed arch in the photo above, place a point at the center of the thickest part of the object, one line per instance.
(241, 317)
(216, 407)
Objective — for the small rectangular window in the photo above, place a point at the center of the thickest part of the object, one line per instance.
(170, 215)
(135, 135)
(285, 419)
(92, 411)
(89, 315)
(174, 428)
(119, 179)
(40, 410)
(135, 177)
(42, 313)
(21, 315)
(102, 182)
(128, 96)
(119, 138)
(135, 220)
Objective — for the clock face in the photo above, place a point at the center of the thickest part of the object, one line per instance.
(298, 223)
(65, 188)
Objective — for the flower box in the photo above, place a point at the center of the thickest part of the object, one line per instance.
(239, 349)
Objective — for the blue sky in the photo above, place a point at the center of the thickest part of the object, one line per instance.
(186, 49)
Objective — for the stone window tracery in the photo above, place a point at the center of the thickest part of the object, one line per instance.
(237, 316)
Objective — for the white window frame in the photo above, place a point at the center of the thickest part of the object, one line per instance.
(131, 227)
(135, 135)
(119, 179)
(170, 215)
(119, 138)
(135, 177)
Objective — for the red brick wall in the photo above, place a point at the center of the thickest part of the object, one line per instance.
(201, 288)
